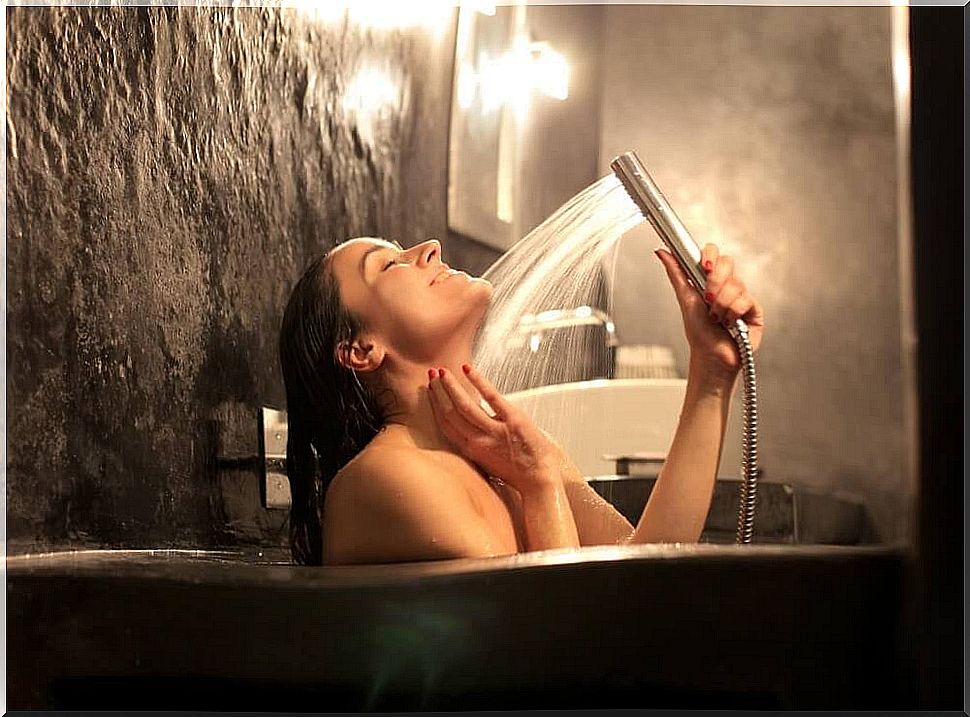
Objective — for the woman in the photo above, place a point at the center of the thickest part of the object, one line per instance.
(392, 456)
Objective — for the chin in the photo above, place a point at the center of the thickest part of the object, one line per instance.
(482, 297)
(480, 306)
(482, 286)
(469, 305)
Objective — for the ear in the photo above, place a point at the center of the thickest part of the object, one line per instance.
(361, 354)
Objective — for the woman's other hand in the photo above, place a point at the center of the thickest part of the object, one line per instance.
(712, 350)
(508, 445)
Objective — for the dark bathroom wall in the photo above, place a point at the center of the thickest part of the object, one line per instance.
(772, 133)
(170, 172)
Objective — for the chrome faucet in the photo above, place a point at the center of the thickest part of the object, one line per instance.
(533, 326)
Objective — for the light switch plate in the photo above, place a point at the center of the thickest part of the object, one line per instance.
(274, 488)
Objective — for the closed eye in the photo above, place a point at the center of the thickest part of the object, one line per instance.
(389, 264)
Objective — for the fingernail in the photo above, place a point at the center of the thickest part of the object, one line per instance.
(431, 373)
(441, 372)
(708, 296)
(656, 253)
(708, 266)
(466, 368)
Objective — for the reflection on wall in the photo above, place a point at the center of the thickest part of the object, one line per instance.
(555, 142)
(504, 76)
(771, 131)
(170, 174)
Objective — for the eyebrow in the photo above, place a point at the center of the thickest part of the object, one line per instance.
(377, 247)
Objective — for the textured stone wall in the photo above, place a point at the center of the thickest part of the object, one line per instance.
(170, 172)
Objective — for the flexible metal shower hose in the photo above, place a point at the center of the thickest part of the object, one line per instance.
(749, 446)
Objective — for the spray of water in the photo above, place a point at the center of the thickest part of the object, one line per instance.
(556, 266)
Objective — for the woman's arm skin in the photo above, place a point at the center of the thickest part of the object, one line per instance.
(681, 498)
(547, 518)
(597, 521)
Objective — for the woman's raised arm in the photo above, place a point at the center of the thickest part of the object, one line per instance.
(681, 498)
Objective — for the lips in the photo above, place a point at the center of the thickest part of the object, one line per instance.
(444, 272)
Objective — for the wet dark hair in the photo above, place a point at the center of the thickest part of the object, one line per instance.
(331, 415)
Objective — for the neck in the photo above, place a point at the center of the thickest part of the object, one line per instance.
(411, 417)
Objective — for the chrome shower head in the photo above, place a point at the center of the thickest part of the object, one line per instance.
(654, 206)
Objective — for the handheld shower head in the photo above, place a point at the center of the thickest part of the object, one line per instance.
(654, 206)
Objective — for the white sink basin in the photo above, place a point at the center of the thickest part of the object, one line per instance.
(591, 419)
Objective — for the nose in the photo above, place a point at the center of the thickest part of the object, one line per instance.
(428, 250)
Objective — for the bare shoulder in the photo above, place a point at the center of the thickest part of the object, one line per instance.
(392, 504)
(379, 469)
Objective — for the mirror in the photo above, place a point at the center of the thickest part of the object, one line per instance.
(482, 137)
(513, 90)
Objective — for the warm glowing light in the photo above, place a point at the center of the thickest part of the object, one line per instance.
(491, 78)
(511, 78)
(379, 14)
(485, 8)
(518, 75)
(549, 70)
(387, 14)
(371, 96)
(902, 70)
(467, 85)
(371, 89)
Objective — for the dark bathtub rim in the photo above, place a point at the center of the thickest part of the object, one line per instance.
(234, 567)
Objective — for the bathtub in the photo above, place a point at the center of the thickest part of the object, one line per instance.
(707, 625)
(656, 626)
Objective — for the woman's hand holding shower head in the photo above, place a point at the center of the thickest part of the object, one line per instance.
(726, 298)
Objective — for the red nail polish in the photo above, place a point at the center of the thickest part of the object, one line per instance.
(466, 368)
(441, 372)
(708, 266)
(430, 373)
(708, 296)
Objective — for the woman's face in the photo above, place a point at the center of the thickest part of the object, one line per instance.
(408, 299)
